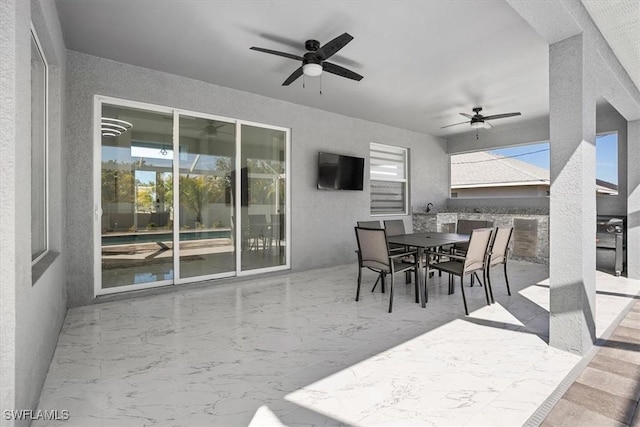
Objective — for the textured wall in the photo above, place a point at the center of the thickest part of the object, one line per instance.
(633, 213)
(572, 206)
(12, 127)
(322, 221)
(32, 313)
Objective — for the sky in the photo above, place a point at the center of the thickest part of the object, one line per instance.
(538, 155)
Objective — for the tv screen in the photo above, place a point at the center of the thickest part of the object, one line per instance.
(337, 172)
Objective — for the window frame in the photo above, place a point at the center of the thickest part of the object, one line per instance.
(404, 180)
(44, 149)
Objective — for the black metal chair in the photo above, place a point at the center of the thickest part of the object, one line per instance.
(498, 254)
(373, 250)
(474, 260)
(373, 224)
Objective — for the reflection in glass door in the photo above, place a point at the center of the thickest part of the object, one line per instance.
(206, 160)
(136, 174)
(263, 197)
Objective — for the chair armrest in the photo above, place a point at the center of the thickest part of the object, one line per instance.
(445, 254)
(402, 255)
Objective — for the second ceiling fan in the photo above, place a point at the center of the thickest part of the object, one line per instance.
(477, 120)
(314, 61)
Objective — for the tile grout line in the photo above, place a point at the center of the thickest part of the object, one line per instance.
(550, 402)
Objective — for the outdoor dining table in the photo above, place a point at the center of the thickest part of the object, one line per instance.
(422, 241)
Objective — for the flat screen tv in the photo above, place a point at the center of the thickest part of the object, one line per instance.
(337, 172)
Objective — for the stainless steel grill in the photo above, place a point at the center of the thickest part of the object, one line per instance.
(610, 235)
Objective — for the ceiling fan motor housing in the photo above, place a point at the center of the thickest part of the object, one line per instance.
(312, 45)
(310, 58)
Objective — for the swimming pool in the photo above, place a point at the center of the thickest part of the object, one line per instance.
(154, 236)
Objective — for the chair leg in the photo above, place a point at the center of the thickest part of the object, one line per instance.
(376, 284)
(472, 281)
(486, 288)
(464, 298)
(383, 280)
(417, 286)
(506, 279)
(391, 294)
(359, 281)
(407, 277)
(487, 283)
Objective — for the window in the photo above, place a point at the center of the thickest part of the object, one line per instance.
(389, 179)
(39, 216)
(607, 164)
(520, 171)
(523, 171)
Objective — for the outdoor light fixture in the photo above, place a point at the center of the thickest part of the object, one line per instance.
(113, 127)
(312, 70)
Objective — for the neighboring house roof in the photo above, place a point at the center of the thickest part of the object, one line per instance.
(486, 169)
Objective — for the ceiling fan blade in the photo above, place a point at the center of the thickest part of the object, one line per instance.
(297, 73)
(326, 51)
(275, 52)
(501, 116)
(340, 71)
(455, 124)
(468, 116)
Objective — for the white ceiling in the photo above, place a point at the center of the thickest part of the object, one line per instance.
(423, 62)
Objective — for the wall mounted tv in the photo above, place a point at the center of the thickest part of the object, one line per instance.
(337, 172)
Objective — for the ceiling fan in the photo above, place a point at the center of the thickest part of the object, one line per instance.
(479, 121)
(314, 61)
(211, 130)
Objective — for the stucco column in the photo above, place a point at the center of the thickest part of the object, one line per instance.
(572, 227)
(633, 200)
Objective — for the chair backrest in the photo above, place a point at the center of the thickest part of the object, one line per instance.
(373, 248)
(465, 226)
(259, 219)
(277, 225)
(394, 227)
(500, 245)
(477, 252)
(369, 224)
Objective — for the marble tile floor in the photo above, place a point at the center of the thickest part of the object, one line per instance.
(297, 349)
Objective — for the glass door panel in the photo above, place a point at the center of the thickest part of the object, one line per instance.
(206, 159)
(136, 175)
(263, 201)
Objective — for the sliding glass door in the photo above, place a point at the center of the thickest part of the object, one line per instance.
(263, 184)
(136, 171)
(207, 158)
(174, 209)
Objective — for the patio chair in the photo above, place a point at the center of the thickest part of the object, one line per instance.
(259, 236)
(374, 254)
(372, 224)
(499, 254)
(369, 224)
(474, 260)
(466, 226)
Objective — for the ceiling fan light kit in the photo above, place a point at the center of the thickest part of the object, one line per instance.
(312, 70)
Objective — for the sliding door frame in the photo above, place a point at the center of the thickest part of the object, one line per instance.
(98, 102)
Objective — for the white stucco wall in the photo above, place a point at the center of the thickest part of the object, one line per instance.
(31, 313)
(322, 221)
